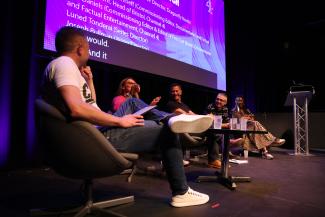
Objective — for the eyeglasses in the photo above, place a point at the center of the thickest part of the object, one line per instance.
(222, 100)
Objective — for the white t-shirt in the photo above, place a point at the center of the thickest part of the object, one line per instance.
(64, 71)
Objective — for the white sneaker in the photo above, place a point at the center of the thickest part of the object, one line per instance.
(278, 142)
(190, 198)
(190, 123)
(186, 163)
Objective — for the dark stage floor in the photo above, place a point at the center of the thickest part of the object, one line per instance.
(286, 186)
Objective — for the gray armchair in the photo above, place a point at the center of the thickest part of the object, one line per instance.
(76, 149)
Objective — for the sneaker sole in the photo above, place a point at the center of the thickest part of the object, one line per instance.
(275, 144)
(194, 126)
(194, 203)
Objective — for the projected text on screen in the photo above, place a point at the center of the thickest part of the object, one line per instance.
(191, 32)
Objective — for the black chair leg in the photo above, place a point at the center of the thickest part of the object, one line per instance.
(89, 206)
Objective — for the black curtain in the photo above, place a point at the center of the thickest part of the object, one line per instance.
(17, 25)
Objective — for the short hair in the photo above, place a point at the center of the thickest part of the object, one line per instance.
(223, 94)
(175, 85)
(240, 96)
(65, 38)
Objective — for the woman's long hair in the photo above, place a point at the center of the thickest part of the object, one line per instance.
(120, 90)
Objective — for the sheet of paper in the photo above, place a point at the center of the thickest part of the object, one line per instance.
(144, 110)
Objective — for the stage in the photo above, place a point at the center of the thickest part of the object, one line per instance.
(286, 186)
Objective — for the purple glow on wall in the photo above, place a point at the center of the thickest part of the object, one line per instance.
(30, 117)
(32, 91)
(30, 128)
(5, 110)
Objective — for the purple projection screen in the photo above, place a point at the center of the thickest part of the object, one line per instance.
(181, 39)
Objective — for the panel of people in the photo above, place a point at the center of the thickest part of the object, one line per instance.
(68, 85)
(260, 142)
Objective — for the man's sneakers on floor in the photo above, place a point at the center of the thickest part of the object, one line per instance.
(215, 164)
(278, 142)
(190, 198)
(190, 123)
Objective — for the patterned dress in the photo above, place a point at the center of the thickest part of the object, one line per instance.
(253, 141)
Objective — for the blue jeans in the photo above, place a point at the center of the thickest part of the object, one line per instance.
(150, 137)
(214, 142)
(132, 105)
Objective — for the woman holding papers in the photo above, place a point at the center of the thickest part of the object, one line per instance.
(128, 88)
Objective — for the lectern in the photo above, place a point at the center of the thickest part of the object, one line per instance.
(299, 97)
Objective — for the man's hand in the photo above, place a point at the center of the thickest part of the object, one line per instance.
(131, 121)
(225, 126)
(136, 88)
(155, 100)
(86, 73)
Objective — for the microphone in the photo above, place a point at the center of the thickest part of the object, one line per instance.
(237, 107)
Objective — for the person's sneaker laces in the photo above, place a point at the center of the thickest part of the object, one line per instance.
(190, 123)
(190, 198)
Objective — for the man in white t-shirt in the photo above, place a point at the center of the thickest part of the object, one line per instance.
(68, 85)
